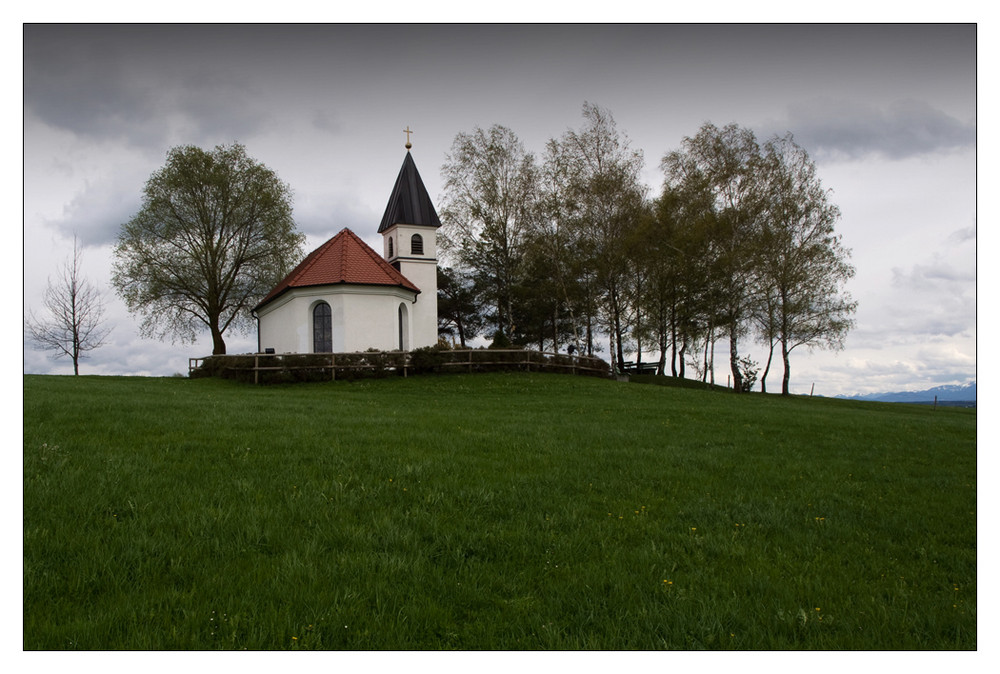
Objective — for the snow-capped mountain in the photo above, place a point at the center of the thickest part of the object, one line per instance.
(951, 393)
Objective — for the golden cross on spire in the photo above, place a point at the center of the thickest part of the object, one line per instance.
(408, 132)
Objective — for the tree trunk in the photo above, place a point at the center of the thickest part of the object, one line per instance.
(767, 368)
(711, 363)
(734, 361)
(218, 344)
(617, 329)
(788, 368)
(590, 337)
(661, 366)
(673, 338)
(638, 351)
(555, 328)
(708, 341)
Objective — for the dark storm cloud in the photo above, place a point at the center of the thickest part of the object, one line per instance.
(127, 81)
(132, 83)
(840, 129)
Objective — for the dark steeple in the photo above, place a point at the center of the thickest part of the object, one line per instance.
(409, 203)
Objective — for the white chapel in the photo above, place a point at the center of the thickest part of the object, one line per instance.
(345, 297)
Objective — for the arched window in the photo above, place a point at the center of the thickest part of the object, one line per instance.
(416, 245)
(390, 246)
(404, 328)
(322, 328)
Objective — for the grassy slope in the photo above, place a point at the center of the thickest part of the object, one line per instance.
(491, 512)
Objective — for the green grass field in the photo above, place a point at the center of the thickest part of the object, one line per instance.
(495, 511)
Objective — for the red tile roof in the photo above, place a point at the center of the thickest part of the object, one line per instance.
(344, 259)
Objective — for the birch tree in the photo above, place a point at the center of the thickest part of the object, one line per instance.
(605, 201)
(803, 264)
(727, 163)
(490, 207)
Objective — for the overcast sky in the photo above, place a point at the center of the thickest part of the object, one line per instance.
(887, 111)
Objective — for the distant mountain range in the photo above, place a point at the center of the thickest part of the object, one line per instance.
(947, 395)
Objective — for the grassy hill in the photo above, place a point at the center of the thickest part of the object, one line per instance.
(500, 511)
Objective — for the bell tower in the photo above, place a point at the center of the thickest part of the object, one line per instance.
(409, 238)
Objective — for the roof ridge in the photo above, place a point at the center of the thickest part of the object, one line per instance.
(348, 234)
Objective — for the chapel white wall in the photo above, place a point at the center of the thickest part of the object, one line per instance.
(364, 317)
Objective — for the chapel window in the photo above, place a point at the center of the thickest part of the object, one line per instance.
(322, 328)
(416, 245)
(404, 336)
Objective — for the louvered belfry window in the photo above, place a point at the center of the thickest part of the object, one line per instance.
(416, 245)
(322, 328)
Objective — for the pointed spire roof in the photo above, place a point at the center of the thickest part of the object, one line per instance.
(409, 203)
(344, 259)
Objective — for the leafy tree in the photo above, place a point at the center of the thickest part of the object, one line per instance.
(766, 322)
(214, 235)
(775, 265)
(803, 265)
(673, 249)
(75, 322)
(605, 201)
(458, 312)
(726, 164)
(543, 310)
(490, 206)
(557, 243)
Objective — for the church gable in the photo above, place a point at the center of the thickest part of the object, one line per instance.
(344, 259)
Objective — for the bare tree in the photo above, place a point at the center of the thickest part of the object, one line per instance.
(75, 321)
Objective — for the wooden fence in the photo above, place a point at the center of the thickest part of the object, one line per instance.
(262, 367)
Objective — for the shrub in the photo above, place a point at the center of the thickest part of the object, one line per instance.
(500, 341)
(748, 370)
(429, 358)
(313, 367)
